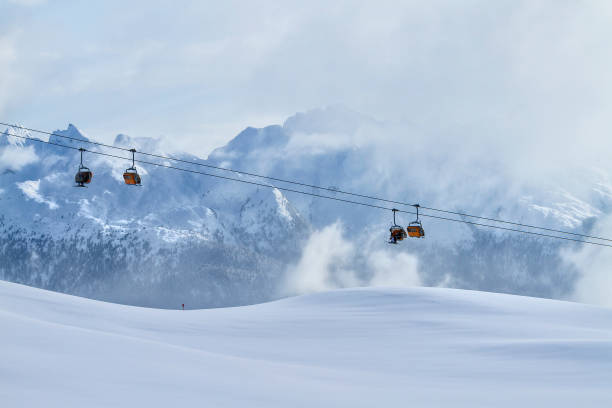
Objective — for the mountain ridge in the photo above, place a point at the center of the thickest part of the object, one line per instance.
(187, 226)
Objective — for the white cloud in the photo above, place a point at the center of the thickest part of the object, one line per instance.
(495, 76)
(30, 189)
(15, 157)
(393, 268)
(28, 3)
(325, 263)
(594, 263)
(330, 260)
(7, 71)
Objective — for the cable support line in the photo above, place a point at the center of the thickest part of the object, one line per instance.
(333, 190)
(322, 196)
(62, 136)
(518, 224)
(512, 229)
(213, 175)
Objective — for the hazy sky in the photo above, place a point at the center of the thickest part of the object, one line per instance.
(198, 72)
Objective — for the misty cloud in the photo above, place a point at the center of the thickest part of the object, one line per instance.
(594, 263)
(331, 261)
(31, 190)
(14, 157)
(527, 78)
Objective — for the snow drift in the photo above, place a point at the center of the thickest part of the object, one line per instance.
(354, 348)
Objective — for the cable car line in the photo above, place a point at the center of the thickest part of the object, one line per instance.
(333, 190)
(63, 136)
(320, 195)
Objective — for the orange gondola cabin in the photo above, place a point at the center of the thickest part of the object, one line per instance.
(415, 228)
(131, 176)
(397, 234)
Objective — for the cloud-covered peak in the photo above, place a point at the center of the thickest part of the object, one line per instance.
(337, 119)
(147, 144)
(122, 140)
(250, 140)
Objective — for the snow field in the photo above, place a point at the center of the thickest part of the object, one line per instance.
(356, 347)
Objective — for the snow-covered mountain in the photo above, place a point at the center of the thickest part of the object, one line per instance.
(213, 243)
(187, 238)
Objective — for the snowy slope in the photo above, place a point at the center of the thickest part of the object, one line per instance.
(354, 348)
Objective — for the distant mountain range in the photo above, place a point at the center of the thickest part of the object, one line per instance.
(202, 241)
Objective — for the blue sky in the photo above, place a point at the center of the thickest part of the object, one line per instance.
(196, 72)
